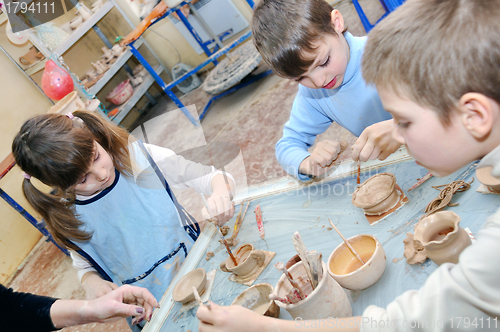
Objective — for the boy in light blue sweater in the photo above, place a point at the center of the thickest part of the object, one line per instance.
(305, 40)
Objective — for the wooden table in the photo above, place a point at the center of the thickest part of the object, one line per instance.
(288, 206)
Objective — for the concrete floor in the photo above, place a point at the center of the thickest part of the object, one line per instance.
(246, 124)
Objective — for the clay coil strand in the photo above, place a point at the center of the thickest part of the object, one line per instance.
(444, 198)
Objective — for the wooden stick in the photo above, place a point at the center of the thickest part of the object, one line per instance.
(422, 180)
(358, 180)
(227, 248)
(198, 298)
(238, 218)
(260, 225)
(280, 266)
(347, 243)
(301, 249)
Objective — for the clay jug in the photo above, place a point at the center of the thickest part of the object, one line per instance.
(56, 82)
(442, 237)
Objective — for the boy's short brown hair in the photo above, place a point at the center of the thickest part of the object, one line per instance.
(435, 51)
(284, 29)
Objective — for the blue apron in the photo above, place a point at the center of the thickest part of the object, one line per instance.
(140, 233)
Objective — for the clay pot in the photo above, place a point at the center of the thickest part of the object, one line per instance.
(442, 237)
(121, 93)
(344, 267)
(376, 195)
(484, 176)
(183, 290)
(70, 103)
(327, 300)
(31, 57)
(249, 260)
(256, 298)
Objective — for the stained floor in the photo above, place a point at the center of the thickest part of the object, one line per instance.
(246, 124)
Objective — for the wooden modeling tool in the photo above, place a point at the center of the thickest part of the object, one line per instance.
(274, 297)
(238, 217)
(358, 180)
(198, 299)
(347, 243)
(422, 180)
(227, 248)
(260, 225)
(301, 249)
(297, 291)
(220, 232)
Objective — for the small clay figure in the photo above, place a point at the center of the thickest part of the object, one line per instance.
(210, 254)
(107, 53)
(414, 250)
(98, 67)
(135, 81)
(91, 74)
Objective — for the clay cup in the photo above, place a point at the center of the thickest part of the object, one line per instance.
(183, 291)
(249, 260)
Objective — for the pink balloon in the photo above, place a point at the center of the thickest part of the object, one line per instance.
(56, 82)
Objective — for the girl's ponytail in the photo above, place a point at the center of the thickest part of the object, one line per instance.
(58, 212)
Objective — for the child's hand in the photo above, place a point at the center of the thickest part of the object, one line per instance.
(375, 142)
(220, 208)
(323, 154)
(232, 318)
(95, 286)
(220, 204)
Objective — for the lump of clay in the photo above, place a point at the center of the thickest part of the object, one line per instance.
(225, 230)
(414, 250)
(210, 254)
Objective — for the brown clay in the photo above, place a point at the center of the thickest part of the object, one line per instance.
(225, 230)
(414, 250)
(210, 254)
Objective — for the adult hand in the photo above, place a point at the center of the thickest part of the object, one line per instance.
(320, 160)
(122, 302)
(95, 286)
(375, 142)
(228, 319)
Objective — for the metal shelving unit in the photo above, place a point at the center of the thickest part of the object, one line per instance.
(57, 53)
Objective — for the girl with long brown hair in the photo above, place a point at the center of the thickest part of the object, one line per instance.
(110, 200)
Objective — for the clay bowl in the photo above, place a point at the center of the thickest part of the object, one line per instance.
(249, 260)
(344, 267)
(376, 195)
(256, 298)
(121, 93)
(70, 103)
(484, 176)
(183, 291)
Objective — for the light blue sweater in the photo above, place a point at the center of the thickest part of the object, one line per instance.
(353, 105)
